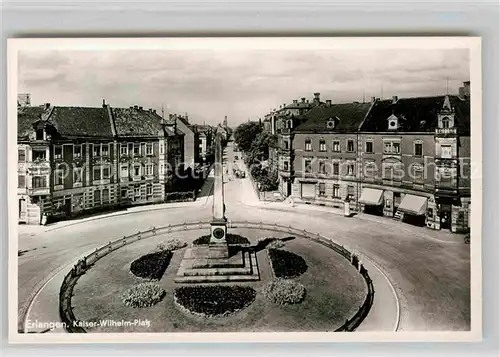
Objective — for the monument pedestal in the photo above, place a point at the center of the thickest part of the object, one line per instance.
(218, 248)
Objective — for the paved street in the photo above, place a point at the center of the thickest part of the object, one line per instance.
(429, 270)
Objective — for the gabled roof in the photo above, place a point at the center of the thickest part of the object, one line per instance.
(81, 122)
(350, 116)
(415, 114)
(136, 122)
(26, 116)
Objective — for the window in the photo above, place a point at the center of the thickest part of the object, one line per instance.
(308, 145)
(143, 148)
(39, 182)
(322, 167)
(105, 172)
(130, 148)
(336, 168)
(59, 176)
(149, 149)
(124, 193)
(336, 146)
(105, 150)
(417, 149)
(136, 150)
(370, 169)
(392, 171)
(21, 155)
(350, 145)
(162, 169)
(285, 144)
(322, 190)
(97, 150)
(285, 165)
(446, 122)
(137, 192)
(417, 172)
(21, 181)
(58, 152)
(124, 171)
(77, 176)
(105, 196)
(446, 151)
(149, 169)
(123, 149)
(149, 190)
(336, 191)
(307, 165)
(96, 173)
(369, 147)
(97, 197)
(350, 169)
(137, 170)
(40, 134)
(350, 193)
(162, 148)
(77, 151)
(392, 147)
(322, 145)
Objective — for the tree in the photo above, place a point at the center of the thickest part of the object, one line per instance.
(245, 133)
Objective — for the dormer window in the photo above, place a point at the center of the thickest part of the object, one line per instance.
(330, 124)
(289, 124)
(40, 134)
(392, 122)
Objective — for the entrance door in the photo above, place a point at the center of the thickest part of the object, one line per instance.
(288, 188)
(22, 209)
(445, 216)
(397, 201)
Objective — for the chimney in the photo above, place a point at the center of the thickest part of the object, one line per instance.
(373, 99)
(46, 106)
(328, 102)
(303, 100)
(103, 103)
(154, 111)
(316, 98)
(136, 107)
(140, 108)
(308, 101)
(394, 99)
(295, 101)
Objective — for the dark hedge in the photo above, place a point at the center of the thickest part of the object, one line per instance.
(215, 300)
(230, 238)
(286, 264)
(151, 266)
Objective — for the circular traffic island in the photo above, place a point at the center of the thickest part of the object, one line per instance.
(303, 286)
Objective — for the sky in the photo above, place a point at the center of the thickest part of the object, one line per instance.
(239, 84)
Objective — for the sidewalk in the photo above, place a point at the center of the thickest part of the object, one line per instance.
(443, 236)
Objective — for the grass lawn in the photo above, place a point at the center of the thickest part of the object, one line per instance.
(334, 292)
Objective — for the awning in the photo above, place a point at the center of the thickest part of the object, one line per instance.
(371, 196)
(412, 204)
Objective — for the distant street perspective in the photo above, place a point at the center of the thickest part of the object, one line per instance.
(317, 215)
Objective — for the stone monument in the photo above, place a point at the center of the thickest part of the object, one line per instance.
(213, 262)
(218, 248)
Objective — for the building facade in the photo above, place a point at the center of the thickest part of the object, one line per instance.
(191, 139)
(75, 159)
(407, 158)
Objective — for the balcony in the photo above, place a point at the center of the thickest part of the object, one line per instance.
(446, 132)
(38, 191)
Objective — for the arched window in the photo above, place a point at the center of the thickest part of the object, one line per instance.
(445, 122)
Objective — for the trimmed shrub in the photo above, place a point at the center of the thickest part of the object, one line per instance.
(171, 244)
(152, 265)
(286, 264)
(143, 295)
(284, 292)
(214, 300)
(230, 238)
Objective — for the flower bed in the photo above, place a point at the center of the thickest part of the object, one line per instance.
(286, 264)
(230, 238)
(269, 242)
(171, 244)
(214, 300)
(151, 266)
(143, 295)
(283, 292)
